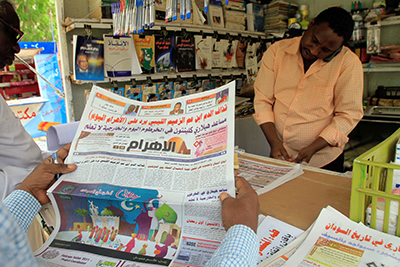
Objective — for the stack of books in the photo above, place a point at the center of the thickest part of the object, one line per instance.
(277, 14)
(235, 15)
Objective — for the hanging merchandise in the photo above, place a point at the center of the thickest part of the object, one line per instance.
(88, 55)
(374, 40)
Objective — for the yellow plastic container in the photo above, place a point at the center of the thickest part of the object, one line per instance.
(373, 179)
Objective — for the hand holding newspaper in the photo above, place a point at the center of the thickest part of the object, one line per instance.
(146, 188)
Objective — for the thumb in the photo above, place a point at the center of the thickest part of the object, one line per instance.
(66, 168)
(223, 196)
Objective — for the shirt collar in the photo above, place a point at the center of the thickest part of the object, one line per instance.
(294, 47)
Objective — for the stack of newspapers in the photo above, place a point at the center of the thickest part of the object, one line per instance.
(332, 240)
(277, 14)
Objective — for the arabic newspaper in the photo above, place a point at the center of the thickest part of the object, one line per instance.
(335, 240)
(146, 189)
(274, 235)
(265, 177)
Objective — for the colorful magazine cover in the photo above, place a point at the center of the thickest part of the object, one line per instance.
(134, 92)
(165, 90)
(88, 59)
(145, 49)
(209, 84)
(164, 53)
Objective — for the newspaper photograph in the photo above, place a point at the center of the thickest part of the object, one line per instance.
(145, 191)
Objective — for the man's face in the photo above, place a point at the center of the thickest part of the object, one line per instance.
(319, 41)
(9, 46)
(177, 107)
(83, 62)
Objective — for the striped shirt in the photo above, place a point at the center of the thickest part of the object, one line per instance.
(325, 102)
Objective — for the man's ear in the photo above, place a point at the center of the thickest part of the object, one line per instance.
(311, 23)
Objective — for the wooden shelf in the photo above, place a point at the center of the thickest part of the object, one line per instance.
(386, 22)
(172, 75)
(172, 27)
(382, 67)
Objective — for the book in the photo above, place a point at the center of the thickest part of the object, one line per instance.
(144, 46)
(134, 92)
(228, 54)
(164, 59)
(251, 63)
(216, 14)
(203, 52)
(241, 53)
(150, 93)
(216, 54)
(88, 57)
(209, 84)
(255, 9)
(200, 17)
(120, 56)
(165, 90)
(185, 54)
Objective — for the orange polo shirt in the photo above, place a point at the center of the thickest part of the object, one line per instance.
(325, 101)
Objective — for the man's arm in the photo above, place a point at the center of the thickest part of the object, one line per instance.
(19, 154)
(22, 205)
(26, 201)
(278, 151)
(240, 218)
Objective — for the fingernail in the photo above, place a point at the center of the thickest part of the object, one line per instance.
(70, 166)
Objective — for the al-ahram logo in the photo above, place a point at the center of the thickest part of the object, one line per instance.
(180, 145)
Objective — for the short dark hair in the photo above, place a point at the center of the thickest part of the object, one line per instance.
(339, 20)
(4, 4)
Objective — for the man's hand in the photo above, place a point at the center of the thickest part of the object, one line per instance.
(42, 177)
(278, 151)
(240, 210)
(306, 153)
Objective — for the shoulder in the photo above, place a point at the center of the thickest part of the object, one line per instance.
(349, 57)
(286, 43)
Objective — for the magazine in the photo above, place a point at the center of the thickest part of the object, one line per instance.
(88, 59)
(120, 56)
(143, 193)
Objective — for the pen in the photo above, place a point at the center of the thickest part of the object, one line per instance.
(54, 159)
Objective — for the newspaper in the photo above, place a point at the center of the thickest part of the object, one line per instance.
(265, 177)
(146, 189)
(274, 235)
(335, 240)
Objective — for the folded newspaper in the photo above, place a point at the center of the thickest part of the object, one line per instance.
(335, 240)
(146, 189)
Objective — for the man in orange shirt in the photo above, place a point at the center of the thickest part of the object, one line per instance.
(308, 93)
